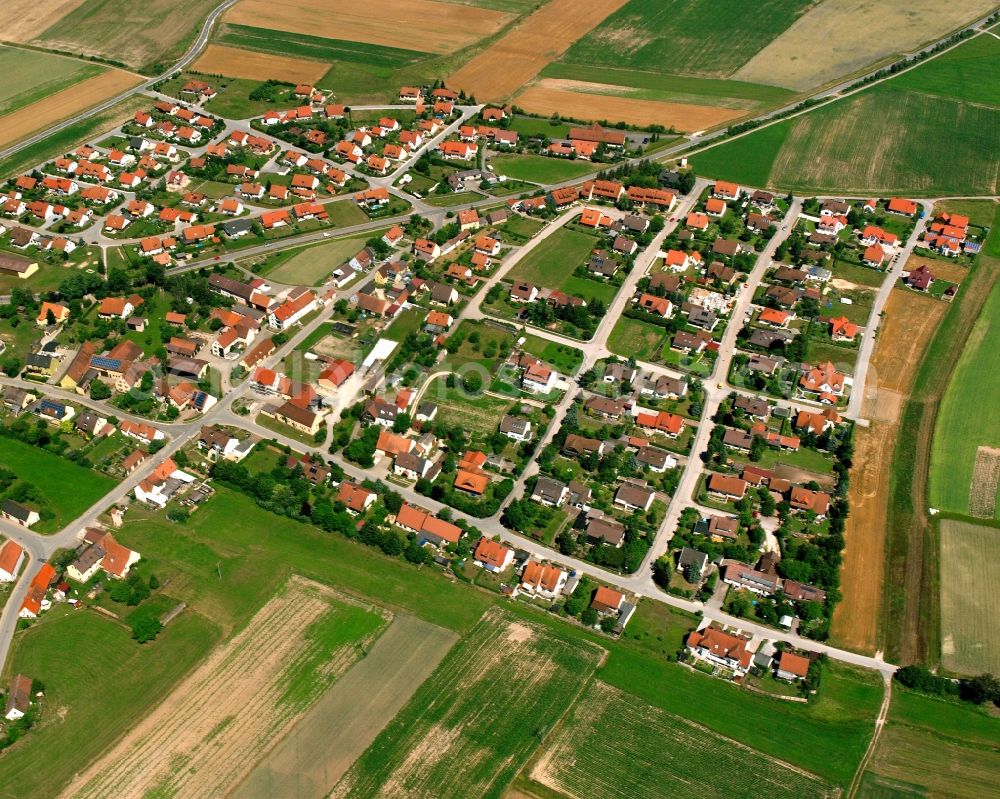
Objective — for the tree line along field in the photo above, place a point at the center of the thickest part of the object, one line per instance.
(614, 747)
(471, 727)
(934, 747)
(143, 36)
(885, 138)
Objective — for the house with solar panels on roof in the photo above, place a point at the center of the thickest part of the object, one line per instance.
(51, 410)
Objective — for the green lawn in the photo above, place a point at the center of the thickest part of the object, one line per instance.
(554, 260)
(540, 168)
(687, 37)
(646, 85)
(831, 149)
(313, 264)
(632, 338)
(344, 213)
(98, 684)
(964, 421)
(68, 489)
(589, 289)
(409, 321)
(39, 75)
(232, 555)
(455, 198)
(535, 126)
(564, 358)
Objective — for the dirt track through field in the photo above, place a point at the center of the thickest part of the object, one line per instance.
(215, 725)
(909, 323)
(310, 760)
(236, 63)
(514, 59)
(838, 38)
(24, 20)
(66, 103)
(549, 96)
(426, 26)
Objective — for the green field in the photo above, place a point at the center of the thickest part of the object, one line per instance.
(68, 489)
(455, 198)
(633, 338)
(932, 747)
(38, 76)
(344, 213)
(312, 265)
(98, 684)
(587, 756)
(970, 555)
(141, 35)
(473, 724)
(552, 262)
(255, 551)
(645, 85)
(685, 37)
(965, 423)
(317, 48)
(838, 721)
(540, 168)
(885, 139)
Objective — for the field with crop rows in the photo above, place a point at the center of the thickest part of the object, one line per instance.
(219, 722)
(965, 423)
(614, 747)
(970, 556)
(469, 729)
(886, 138)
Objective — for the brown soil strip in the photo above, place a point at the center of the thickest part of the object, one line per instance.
(910, 321)
(309, 761)
(59, 106)
(423, 25)
(236, 63)
(514, 59)
(545, 99)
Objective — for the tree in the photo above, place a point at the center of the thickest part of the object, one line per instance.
(99, 390)
(982, 689)
(472, 382)
(608, 624)
(145, 628)
(402, 423)
(589, 617)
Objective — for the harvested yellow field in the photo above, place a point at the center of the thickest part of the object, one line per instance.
(427, 26)
(59, 106)
(236, 63)
(549, 96)
(514, 59)
(217, 723)
(23, 20)
(839, 37)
